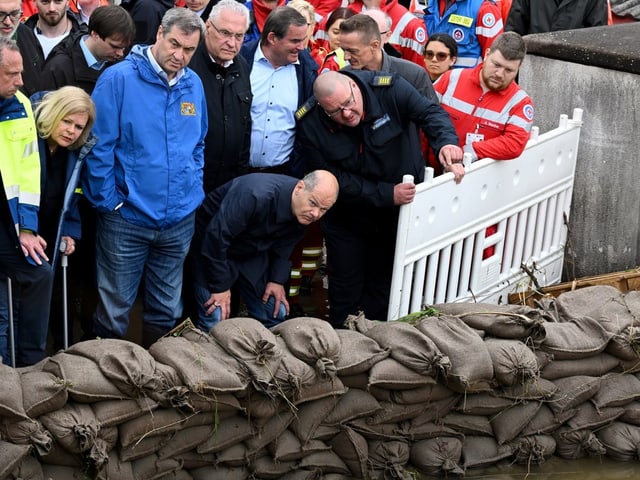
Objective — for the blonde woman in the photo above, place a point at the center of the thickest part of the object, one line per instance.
(64, 119)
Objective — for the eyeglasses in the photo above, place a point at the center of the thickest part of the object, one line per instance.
(385, 32)
(440, 56)
(348, 105)
(14, 16)
(238, 37)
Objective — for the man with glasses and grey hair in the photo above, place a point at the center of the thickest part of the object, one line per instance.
(360, 126)
(144, 176)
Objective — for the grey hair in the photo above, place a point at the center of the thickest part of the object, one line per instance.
(232, 6)
(184, 19)
(7, 43)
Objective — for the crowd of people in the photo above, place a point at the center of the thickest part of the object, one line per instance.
(184, 153)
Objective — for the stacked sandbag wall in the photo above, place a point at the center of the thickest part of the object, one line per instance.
(466, 388)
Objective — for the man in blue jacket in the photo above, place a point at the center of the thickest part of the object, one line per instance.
(144, 177)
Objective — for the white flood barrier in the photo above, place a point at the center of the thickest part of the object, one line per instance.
(481, 239)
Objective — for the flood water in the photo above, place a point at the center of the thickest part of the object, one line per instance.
(597, 468)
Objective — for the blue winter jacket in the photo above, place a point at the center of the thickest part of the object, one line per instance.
(149, 156)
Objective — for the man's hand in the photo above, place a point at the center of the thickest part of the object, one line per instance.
(458, 171)
(277, 291)
(450, 154)
(71, 245)
(403, 193)
(222, 300)
(33, 246)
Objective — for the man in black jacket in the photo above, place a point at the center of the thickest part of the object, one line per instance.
(540, 16)
(111, 31)
(361, 127)
(225, 77)
(39, 34)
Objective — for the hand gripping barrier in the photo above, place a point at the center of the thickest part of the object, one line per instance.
(489, 235)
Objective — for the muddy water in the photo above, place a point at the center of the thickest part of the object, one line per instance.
(558, 469)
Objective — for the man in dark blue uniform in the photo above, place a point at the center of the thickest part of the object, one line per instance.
(245, 232)
(360, 127)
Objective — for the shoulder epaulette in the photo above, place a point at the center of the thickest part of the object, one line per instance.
(382, 80)
(305, 108)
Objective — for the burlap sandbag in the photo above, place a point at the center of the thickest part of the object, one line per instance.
(293, 374)
(429, 393)
(27, 432)
(468, 424)
(233, 456)
(573, 444)
(160, 422)
(358, 353)
(227, 433)
(393, 375)
(351, 405)
(360, 323)
(266, 468)
(631, 413)
(380, 431)
(85, 381)
(301, 474)
(222, 472)
(203, 369)
(410, 347)
(68, 473)
(391, 412)
(151, 467)
(471, 366)
(390, 457)
(128, 365)
(310, 415)
(478, 452)
(509, 423)
(621, 440)
(435, 411)
(482, 404)
(617, 390)
(191, 460)
(327, 462)
(74, 427)
(502, 321)
(626, 344)
(513, 362)
(104, 443)
(534, 449)
(29, 469)
(114, 412)
(143, 447)
(287, 447)
(571, 340)
(11, 456)
(593, 366)
(572, 391)
(439, 457)
(254, 346)
(11, 403)
(313, 341)
(59, 456)
(186, 439)
(359, 380)
(424, 431)
(269, 432)
(43, 391)
(353, 449)
(593, 418)
(545, 421)
(216, 403)
(536, 389)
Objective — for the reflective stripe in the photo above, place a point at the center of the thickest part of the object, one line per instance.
(397, 38)
(29, 198)
(311, 251)
(30, 148)
(467, 62)
(309, 265)
(293, 291)
(12, 191)
(295, 273)
(520, 122)
(491, 31)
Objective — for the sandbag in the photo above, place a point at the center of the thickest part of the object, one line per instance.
(593, 418)
(571, 340)
(11, 456)
(313, 341)
(310, 415)
(43, 391)
(74, 427)
(410, 347)
(11, 403)
(358, 353)
(227, 433)
(534, 449)
(391, 412)
(438, 456)
(573, 444)
(625, 344)
(185, 440)
(509, 423)
(617, 390)
(27, 432)
(482, 404)
(513, 362)
(572, 391)
(545, 421)
(226, 473)
(389, 457)
(536, 389)
(502, 321)
(593, 366)
(471, 366)
(351, 405)
(269, 432)
(152, 467)
(327, 462)
(113, 412)
(480, 451)
(203, 368)
(468, 424)
(393, 375)
(266, 468)
(144, 447)
(621, 441)
(287, 447)
(353, 449)
(293, 374)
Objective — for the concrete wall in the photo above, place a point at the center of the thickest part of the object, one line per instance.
(605, 213)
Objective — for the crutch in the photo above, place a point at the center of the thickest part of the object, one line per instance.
(12, 342)
(64, 261)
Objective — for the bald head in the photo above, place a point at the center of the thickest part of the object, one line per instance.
(313, 196)
(327, 84)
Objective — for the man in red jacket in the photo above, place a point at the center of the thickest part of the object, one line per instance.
(492, 115)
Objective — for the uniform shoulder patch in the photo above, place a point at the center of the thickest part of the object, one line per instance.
(382, 80)
(305, 108)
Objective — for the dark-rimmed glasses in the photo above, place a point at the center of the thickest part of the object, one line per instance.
(238, 37)
(348, 105)
(14, 16)
(440, 56)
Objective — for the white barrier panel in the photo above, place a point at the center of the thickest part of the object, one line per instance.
(473, 241)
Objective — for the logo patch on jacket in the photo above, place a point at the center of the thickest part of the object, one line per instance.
(461, 20)
(188, 109)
